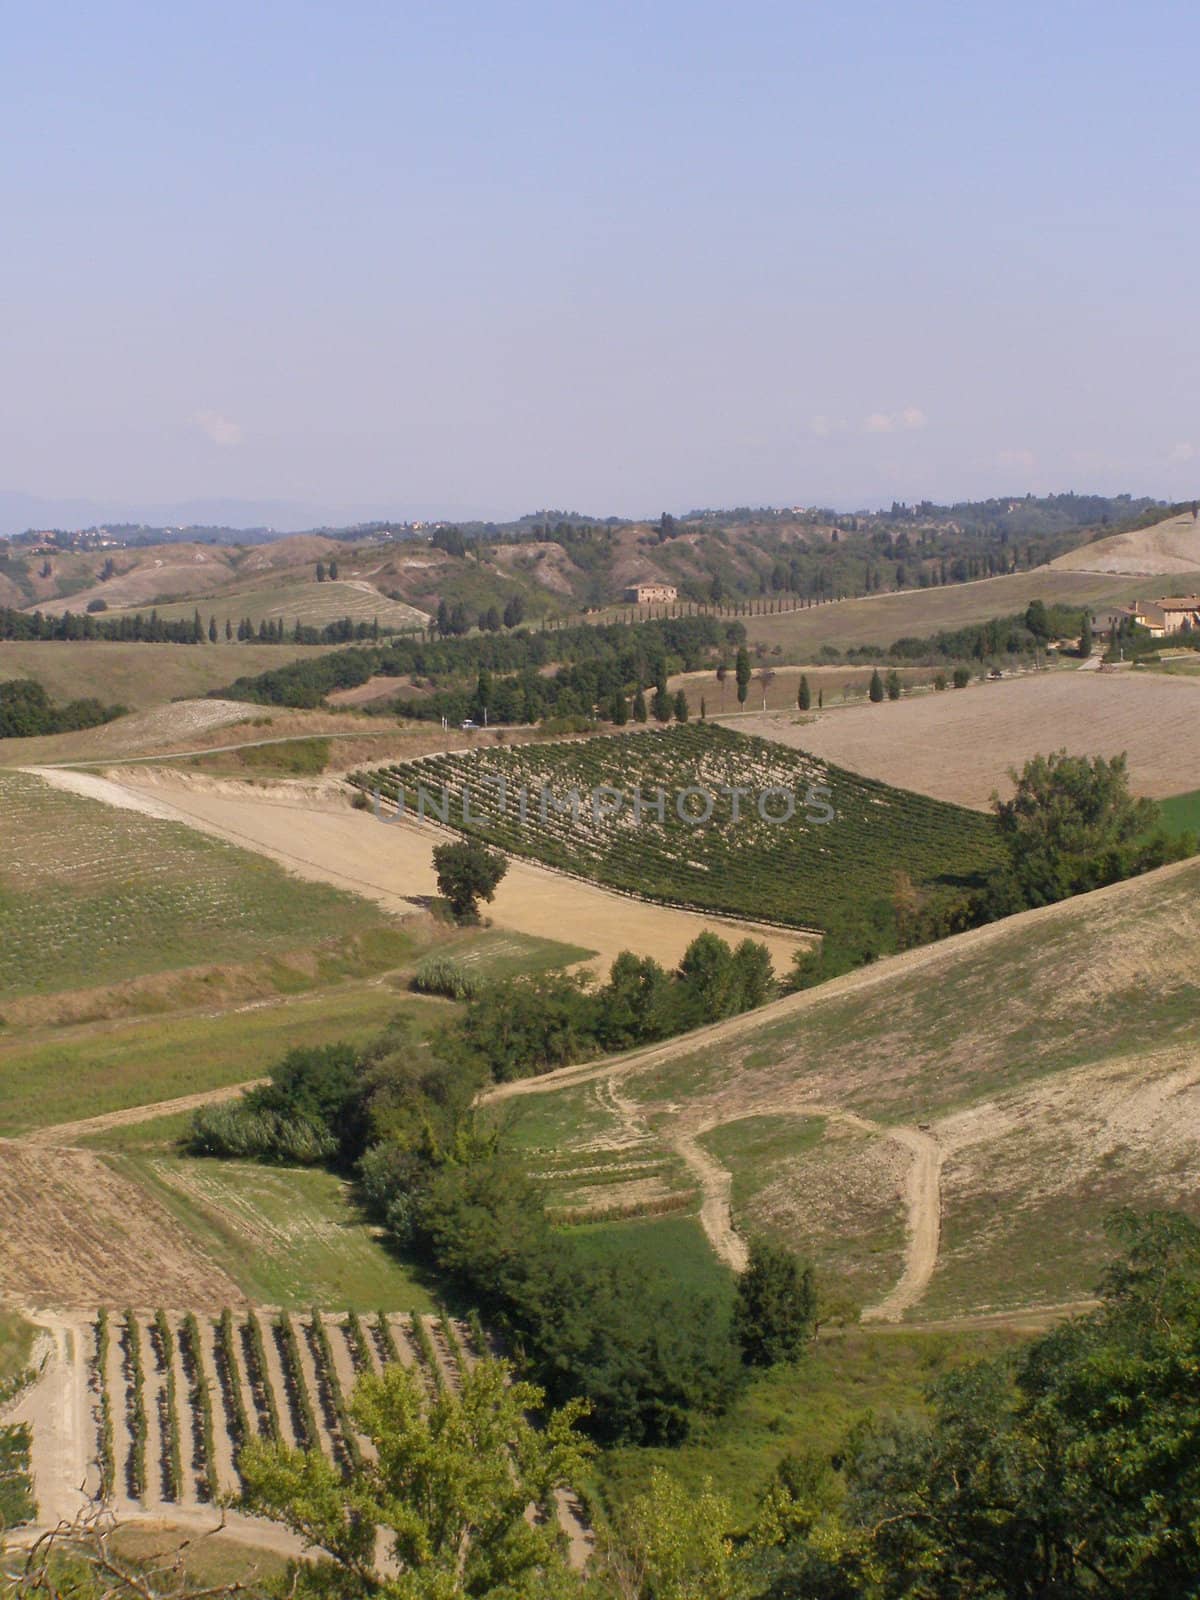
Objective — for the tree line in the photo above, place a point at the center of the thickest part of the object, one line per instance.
(26, 711)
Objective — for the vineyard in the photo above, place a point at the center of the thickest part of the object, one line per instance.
(591, 808)
(176, 1396)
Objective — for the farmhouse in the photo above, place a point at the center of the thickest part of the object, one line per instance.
(646, 594)
(1174, 614)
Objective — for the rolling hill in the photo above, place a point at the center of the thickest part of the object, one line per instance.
(1168, 547)
(944, 1132)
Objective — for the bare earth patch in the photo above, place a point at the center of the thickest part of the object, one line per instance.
(83, 1236)
(959, 745)
(1168, 547)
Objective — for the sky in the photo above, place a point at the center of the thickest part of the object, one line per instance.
(475, 259)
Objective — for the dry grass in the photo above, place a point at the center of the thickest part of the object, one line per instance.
(881, 619)
(959, 745)
(138, 675)
(1167, 548)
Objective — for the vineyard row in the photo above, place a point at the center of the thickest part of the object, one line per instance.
(176, 1395)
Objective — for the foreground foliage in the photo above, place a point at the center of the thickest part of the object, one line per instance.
(448, 1483)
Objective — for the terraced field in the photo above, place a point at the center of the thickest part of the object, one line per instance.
(592, 808)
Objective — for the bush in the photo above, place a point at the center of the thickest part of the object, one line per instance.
(438, 975)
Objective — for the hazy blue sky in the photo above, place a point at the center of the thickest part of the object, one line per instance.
(480, 258)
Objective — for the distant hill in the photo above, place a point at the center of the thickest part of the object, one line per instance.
(1166, 547)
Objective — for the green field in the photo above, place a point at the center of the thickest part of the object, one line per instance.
(68, 1073)
(138, 675)
(1180, 813)
(90, 894)
(808, 1409)
(796, 871)
(671, 1249)
(54, 1075)
(288, 1236)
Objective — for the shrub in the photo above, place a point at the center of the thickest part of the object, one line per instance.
(441, 976)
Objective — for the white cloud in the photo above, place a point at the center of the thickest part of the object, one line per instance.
(220, 429)
(1183, 452)
(906, 421)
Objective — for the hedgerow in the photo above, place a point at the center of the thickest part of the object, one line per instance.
(229, 1374)
(356, 1338)
(327, 1374)
(108, 1461)
(307, 1428)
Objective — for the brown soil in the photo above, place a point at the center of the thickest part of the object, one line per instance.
(89, 1237)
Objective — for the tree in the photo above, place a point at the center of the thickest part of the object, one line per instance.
(741, 672)
(962, 677)
(1070, 1470)
(703, 709)
(212, 630)
(1072, 825)
(620, 708)
(1037, 621)
(765, 679)
(639, 705)
(776, 1306)
(753, 976)
(333, 571)
(804, 695)
(514, 611)
(468, 872)
(673, 1545)
(320, 572)
(662, 705)
(1085, 635)
(681, 706)
(893, 685)
(875, 692)
(228, 629)
(449, 1485)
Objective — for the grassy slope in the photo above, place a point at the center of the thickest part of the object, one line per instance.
(52, 1075)
(90, 894)
(292, 599)
(1054, 1059)
(881, 619)
(799, 1410)
(138, 675)
(288, 1236)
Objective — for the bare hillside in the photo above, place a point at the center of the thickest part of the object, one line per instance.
(1168, 547)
